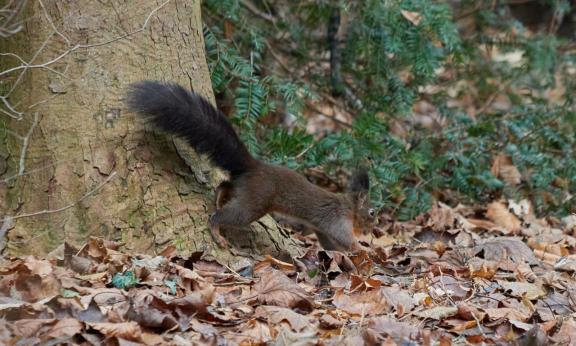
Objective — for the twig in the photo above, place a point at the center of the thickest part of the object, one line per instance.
(52, 211)
(25, 143)
(52, 23)
(9, 25)
(85, 46)
(493, 96)
(252, 8)
(305, 150)
(4, 98)
(334, 119)
(38, 169)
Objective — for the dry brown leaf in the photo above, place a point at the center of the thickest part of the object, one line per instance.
(499, 214)
(253, 332)
(400, 331)
(556, 249)
(362, 304)
(328, 321)
(29, 327)
(522, 289)
(482, 224)
(469, 312)
(480, 268)
(566, 264)
(276, 315)
(441, 218)
(271, 261)
(437, 313)
(357, 283)
(38, 267)
(502, 249)
(413, 17)
(400, 299)
(503, 168)
(275, 288)
(567, 333)
(458, 325)
(448, 286)
(125, 330)
(66, 327)
(508, 313)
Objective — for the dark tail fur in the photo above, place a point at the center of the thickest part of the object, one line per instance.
(180, 112)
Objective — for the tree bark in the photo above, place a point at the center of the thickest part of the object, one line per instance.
(76, 163)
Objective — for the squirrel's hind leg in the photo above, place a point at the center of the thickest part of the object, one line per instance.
(233, 214)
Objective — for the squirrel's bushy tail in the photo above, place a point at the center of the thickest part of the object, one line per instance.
(180, 112)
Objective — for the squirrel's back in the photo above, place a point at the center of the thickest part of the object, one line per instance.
(180, 112)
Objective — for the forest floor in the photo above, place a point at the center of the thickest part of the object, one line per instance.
(465, 275)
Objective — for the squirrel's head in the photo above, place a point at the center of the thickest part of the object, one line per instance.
(365, 217)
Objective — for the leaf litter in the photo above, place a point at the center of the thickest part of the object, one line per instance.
(493, 275)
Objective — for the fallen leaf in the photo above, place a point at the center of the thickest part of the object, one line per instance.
(275, 315)
(400, 299)
(271, 261)
(503, 168)
(499, 214)
(508, 313)
(400, 331)
(286, 337)
(253, 332)
(328, 321)
(566, 264)
(361, 303)
(29, 327)
(275, 288)
(66, 327)
(125, 330)
(357, 283)
(522, 289)
(502, 249)
(413, 17)
(480, 268)
(567, 333)
(38, 267)
(437, 313)
(447, 286)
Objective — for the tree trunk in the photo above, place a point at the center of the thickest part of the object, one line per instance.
(75, 163)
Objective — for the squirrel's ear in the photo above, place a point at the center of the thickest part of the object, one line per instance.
(359, 184)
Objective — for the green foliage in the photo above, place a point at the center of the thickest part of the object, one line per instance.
(387, 60)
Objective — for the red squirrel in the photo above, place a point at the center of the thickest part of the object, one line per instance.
(255, 188)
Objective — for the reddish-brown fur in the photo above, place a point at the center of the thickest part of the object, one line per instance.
(255, 188)
(266, 188)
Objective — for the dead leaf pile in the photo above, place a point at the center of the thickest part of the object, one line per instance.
(494, 275)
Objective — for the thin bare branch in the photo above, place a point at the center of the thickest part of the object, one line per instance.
(9, 18)
(25, 143)
(85, 46)
(52, 211)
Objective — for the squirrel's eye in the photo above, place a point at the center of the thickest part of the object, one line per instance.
(371, 212)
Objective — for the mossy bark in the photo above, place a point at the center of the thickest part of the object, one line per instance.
(156, 190)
